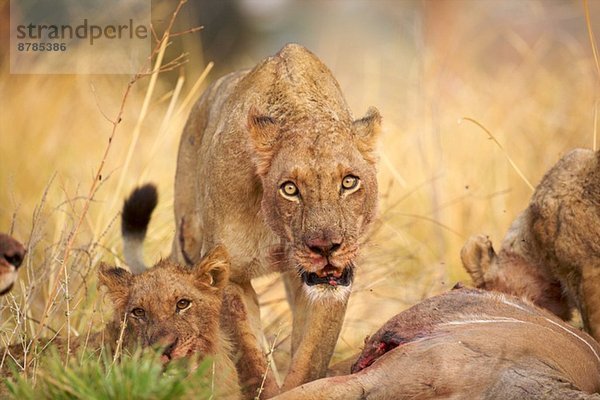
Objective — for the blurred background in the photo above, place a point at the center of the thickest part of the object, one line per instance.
(524, 69)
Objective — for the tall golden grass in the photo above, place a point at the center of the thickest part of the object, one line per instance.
(445, 75)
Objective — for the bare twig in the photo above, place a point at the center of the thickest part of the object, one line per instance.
(119, 347)
(192, 93)
(159, 52)
(510, 160)
(93, 89)
(86, 205)
(270, 362)
(62, 274)
(595, 134)
(191, 30)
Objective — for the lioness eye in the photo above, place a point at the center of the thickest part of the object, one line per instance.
(138, 312)
(350, 182)
(183, 304)
(289, 189)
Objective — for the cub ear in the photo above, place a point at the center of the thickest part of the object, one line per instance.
(213, 269)
(118, 281)
(366, 131)
(479, 260)
(264, 132)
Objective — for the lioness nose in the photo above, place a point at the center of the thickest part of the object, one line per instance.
(323, 247)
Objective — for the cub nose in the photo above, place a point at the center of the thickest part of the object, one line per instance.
(168, 351)
(323, 247)
(164, 339)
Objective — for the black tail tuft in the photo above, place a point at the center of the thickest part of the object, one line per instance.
(137, 210)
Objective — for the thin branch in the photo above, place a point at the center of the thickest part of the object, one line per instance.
(510, 160)
(191, 30)
(93, 89)
(86, 205)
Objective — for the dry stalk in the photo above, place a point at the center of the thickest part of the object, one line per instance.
(595, 135)
(119, 347)
(510, 160)
(193, 92)
(270, 364)
(157, 53)
(588, 24)
(165, 124)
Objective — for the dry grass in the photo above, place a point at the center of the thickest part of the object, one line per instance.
(523, 70)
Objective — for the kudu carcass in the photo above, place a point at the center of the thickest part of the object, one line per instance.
(468, 344)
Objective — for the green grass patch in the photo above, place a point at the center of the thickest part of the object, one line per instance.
(136, 376)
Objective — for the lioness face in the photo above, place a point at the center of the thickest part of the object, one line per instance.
(11, 257)
(319, 195)
(170, 305)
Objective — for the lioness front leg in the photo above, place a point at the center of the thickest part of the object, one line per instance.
(241, 320)
(316, 327)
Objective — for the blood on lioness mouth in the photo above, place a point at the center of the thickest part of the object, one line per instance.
(329, 271)
(328, 275)
(331, 274)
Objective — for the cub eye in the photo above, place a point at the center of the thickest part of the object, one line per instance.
(183, 304)
(350, 183)
(289, 190)
(138, 312)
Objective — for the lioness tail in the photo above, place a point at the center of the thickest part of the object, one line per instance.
(137, 210)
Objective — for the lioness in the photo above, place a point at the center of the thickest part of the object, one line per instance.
(468, 344)
(11, 257)
(272, 165)
(551, 253)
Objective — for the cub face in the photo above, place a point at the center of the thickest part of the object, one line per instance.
(319, 193)
(11, 257)
(170, 305)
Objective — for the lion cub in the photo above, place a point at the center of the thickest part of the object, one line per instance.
(174, 307)
(170, 305)
(551, 252)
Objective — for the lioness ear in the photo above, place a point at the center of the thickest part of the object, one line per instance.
(213, 269)
(264, 132)
(118, 282)
(366, 132)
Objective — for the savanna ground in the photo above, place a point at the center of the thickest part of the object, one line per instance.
(525, 70)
